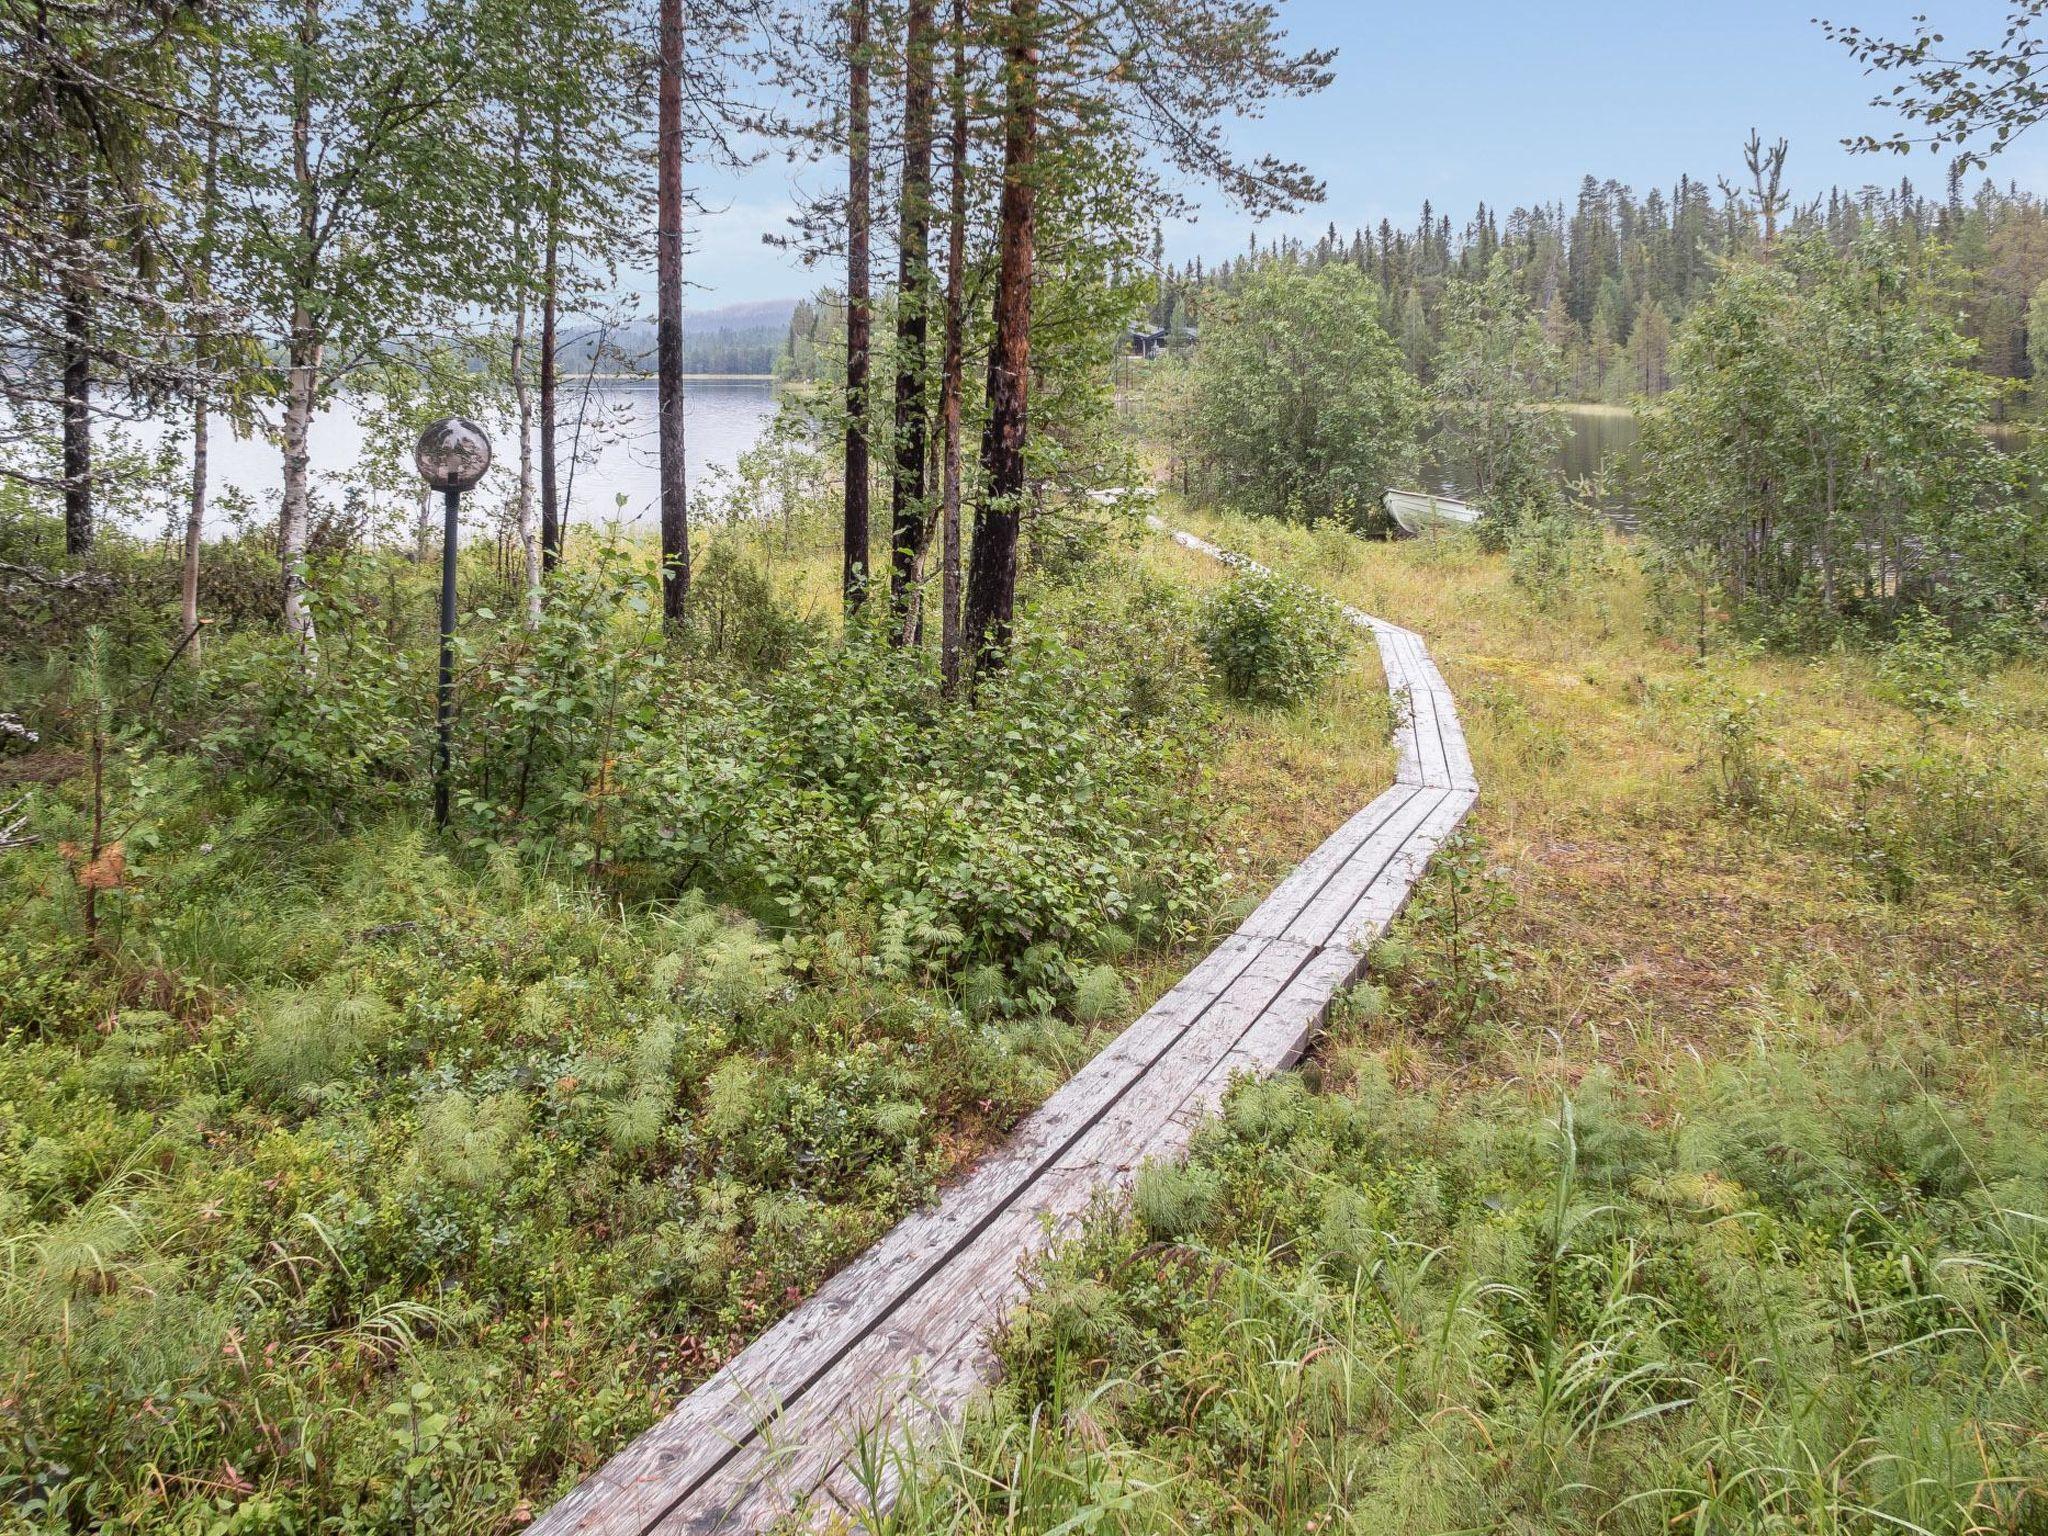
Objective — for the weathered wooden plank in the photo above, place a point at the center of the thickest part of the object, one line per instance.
(1361, 927)
(897, 1339)
(710, 1425)
(1281, 1034)
(1320, 919)
(985, 1277)
(1275, 916)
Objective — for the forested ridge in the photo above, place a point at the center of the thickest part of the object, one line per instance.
(1612, 272)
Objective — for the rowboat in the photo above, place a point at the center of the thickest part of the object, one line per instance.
(1416, 511)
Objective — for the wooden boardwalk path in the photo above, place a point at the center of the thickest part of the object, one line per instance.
(899, 1337)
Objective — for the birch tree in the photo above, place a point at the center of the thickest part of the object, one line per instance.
(362, 197)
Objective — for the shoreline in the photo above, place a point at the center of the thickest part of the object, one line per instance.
(698, 378)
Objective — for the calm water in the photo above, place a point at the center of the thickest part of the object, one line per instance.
(615, 475)
(1599, 440)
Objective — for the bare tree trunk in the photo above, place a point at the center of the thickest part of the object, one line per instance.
(675, 507)
(302, 380)
(78, 519)
(529, 536)
(992, 572)
(423, 529)
(302, 348)
(195, 527)
(908, 523)
(550, 305)
(202, 336)
(854, 575)
(954, 365)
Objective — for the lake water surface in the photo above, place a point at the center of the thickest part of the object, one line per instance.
(1600, 438)
(616, 473)
(610, 430)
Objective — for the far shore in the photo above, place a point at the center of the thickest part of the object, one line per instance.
(699, 378)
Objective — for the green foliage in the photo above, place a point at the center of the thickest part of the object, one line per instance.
(361, 1180)
(1923, 668)
(1457, 960)
(1271, 640)
(352, 736)
(1823, 455)
(409, 1158)
(1789, 1288)
(1494, 364)
(1554, 551)
(1302, 407)
(738, 616)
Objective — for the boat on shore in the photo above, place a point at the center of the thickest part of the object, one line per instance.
(1419, 511)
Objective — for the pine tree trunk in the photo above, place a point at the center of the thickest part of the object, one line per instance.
(78, 518)
(854, 572)
(992, 572)
(908, 522)
(954, 366)
(675, 508)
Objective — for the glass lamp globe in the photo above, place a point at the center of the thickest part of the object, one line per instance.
(453, 454)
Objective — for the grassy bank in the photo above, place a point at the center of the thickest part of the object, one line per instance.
(1678, 1169)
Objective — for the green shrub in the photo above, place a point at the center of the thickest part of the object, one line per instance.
(737, 616)
(1271, 640)
(1924, 669)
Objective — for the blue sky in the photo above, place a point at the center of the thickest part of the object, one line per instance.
(1464, 100)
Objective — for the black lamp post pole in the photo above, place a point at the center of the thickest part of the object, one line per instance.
(452, 455)
(444, 711)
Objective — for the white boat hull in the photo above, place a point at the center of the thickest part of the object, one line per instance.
(1419, 511)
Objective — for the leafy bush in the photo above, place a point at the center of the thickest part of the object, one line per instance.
(349, 735)
(1925, 669)
(1271, 640)
(1555, 553)
(1821, 456)
(392, 1216)
(1302, 407)
(737, 616)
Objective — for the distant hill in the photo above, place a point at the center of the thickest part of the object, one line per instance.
(760, 314)
(731, 338)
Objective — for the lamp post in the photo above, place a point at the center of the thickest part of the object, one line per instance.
(452, 455)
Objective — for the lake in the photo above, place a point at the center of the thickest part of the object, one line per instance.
(1601, 437)
(616, 474)
(616, 471)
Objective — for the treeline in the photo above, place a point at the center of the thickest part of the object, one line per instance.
(1612, 272)
(1819, 468)
(635, 349)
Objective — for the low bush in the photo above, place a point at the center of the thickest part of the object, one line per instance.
(1271, 640)
(449, 1178)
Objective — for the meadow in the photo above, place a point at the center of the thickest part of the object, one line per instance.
(1678, 1165)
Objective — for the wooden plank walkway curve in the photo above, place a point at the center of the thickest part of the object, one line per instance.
(899, 1337)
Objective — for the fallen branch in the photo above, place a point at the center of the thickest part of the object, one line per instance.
(74, 581)
(10, 830)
